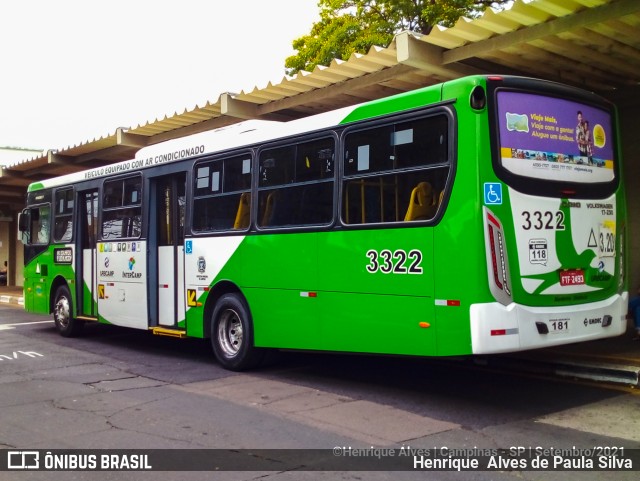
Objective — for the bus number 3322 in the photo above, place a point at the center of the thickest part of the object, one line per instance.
(397, 262)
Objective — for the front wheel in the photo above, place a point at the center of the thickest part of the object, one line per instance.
(66, 324)
(232, 334)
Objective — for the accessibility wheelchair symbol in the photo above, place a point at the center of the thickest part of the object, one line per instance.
(492, 193)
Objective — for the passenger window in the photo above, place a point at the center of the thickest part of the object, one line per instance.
(222, 199)
(396, 172)
(122, 215)
(63, 214)
(295, 184)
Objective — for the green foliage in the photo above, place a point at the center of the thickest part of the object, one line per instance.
(349, 26)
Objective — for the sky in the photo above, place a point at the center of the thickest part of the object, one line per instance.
(75, 70)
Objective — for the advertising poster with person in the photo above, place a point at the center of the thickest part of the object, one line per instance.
(556, 139)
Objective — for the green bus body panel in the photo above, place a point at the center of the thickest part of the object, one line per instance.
(41, 275)
(313, 291)
(405, 101)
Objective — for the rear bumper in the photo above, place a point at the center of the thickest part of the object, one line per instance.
(498, 328)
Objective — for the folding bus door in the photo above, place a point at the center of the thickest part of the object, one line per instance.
(86, 281)
(169, 207)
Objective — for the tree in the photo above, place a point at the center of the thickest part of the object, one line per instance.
(350, 26)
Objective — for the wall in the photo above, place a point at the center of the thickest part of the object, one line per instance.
(4, 242)
(10, 249)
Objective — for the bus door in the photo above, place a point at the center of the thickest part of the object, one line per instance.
(167, 243)
(86, 268)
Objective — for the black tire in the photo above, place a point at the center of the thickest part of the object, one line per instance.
(232, 334)
(66, 324)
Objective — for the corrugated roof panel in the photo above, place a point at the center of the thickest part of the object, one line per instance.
(259, 96)
(384, 56)
(558, 8)
(526, 14)
(497, 22)
(442, 37)
(348, 68)
(307, 78)
(470, 31)
(619, 30)
(364, 64)
(292, 87)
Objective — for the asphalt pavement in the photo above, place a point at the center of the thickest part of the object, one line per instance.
(614, 360)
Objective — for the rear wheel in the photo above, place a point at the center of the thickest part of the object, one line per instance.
(232, 334)
(66, 324)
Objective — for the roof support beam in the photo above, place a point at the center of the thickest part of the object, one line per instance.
(8, 173)
(236, 108)
(130, 140)
(410, 51)
(588, 16)
(421, 55)
(54, 158)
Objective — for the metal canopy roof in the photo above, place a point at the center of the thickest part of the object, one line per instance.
(594, 44)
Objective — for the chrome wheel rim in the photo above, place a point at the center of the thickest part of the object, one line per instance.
(230, 333)
(61, 312)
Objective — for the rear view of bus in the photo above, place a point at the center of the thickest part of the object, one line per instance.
(554, 219)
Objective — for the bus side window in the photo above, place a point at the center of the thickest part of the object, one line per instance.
(122, 208)
(39, 225)
(295, 186)
(63, 215)
(404, 189)
(222, 197)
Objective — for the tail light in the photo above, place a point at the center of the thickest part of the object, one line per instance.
(496, 253)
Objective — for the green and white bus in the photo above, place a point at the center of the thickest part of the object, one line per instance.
(482, 215)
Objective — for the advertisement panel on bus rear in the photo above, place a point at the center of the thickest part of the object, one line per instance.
(556, 139)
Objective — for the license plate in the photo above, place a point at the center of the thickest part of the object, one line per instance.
(572, 277)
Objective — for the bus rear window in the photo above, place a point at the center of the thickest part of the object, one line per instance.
(554, 139)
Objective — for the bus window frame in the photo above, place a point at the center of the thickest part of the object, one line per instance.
(192, 196)
(29, 232)
(102, 209)
(55, 215)
(444, 108)
(329, 133)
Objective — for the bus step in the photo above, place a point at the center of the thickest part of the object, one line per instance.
(163, 331)
(87, 318)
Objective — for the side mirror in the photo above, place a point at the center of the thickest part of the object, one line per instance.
(23, 221)
(23, 226)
